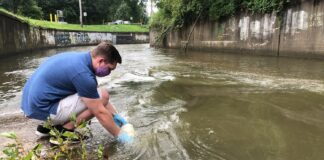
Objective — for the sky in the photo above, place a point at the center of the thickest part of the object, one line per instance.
(148, 8)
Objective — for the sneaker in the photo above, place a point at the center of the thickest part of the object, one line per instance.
(42, 131)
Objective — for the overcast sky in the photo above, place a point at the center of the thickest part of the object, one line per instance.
(148, 8)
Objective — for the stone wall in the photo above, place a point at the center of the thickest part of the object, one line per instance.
(18, 36)
(299, 34)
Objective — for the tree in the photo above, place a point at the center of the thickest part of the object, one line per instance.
(27, 8)
(123, 12)
(11, 5)
(131, 8)
(30, 9)
(70, 9)
(100, 11)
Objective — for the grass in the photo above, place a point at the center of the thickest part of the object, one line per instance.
(77, 27)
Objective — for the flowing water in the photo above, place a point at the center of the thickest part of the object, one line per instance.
(201, 105)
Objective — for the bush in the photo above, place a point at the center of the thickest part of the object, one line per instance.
(63, 150)
(176, 13)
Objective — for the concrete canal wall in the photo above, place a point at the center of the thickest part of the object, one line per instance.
(18, 36)
(301, 33)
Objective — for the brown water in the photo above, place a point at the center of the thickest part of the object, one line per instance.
(200, 105)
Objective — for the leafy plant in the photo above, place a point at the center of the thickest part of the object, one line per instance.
(66, 139)
(65, 148)
(266, 6)
(16, 150)
(174, 14)
(221, 9)
(100, 151)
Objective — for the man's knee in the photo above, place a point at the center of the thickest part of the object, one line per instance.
(104, 96)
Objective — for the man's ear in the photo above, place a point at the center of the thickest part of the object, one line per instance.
(101, 60)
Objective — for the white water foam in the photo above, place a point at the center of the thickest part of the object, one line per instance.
(167, 76)
(23, 72)
(126, 78)
(278, 83)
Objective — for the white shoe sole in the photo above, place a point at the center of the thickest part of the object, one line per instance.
(42, 134)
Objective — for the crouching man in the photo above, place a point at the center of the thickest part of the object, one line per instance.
(66, 84)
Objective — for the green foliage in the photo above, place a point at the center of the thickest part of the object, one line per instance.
(77, 27)
(167, 18)
(179, 12)
(98, 11)
(123, 11)
(11, 5)
(174, 14)
(10, 135)
(28, 8)
(100, 151)
(137, 10)
(220, 9)
(15, 150)
(265, 6)
(63, 150)
(168, 14)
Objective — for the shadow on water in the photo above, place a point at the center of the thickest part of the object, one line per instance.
(201, 105)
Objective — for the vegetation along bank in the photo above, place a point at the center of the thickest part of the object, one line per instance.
(271, 27)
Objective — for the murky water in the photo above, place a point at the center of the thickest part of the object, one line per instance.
(201, 105)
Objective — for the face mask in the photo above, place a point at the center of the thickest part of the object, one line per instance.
(102, 71)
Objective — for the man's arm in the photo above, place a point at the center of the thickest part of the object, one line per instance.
(111, 108)
(105, 118)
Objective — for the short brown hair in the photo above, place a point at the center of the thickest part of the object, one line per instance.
(108, 51)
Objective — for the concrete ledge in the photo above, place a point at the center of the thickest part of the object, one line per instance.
(18, 36)
(298, 33)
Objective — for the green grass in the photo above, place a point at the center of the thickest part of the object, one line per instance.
(77, 27)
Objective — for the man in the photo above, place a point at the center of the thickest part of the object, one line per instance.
(66, 84)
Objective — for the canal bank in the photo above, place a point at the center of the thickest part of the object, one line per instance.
(17, 35)
(299, 32)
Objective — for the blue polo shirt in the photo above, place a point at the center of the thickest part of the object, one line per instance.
(58, 77)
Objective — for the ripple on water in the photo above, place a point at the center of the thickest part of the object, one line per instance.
(204, 151)
(278, 83)
(155, 126)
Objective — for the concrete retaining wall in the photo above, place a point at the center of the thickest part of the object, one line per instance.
(18, 36)
(300, 34)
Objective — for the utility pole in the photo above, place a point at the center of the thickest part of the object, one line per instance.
(80, 6)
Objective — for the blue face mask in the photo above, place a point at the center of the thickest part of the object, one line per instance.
(102, 71)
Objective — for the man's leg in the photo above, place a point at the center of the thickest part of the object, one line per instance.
(84, 115)
(87, 115)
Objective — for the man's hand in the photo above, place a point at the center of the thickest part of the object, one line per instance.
(119, 120)
(126, 134)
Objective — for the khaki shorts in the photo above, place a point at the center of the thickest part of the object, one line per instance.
(67, 107)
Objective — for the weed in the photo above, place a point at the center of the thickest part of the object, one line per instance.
(65, 147)
(16, 150)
